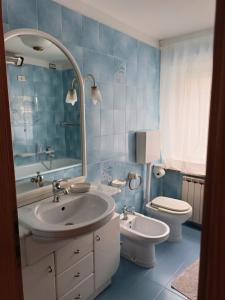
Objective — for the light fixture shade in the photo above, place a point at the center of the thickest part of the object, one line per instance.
(71, 96)
(96, 95)
(34, 41)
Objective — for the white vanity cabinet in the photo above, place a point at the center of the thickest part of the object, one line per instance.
(76, 269)
(39, 280)
(107, 252)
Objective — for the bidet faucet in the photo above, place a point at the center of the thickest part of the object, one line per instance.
(57, 189)
(126, 211)
(39, 179)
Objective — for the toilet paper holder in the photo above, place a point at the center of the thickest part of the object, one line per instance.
(158, 171)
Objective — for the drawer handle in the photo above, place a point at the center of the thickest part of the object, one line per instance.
(77, 251)
(77, 275)
(50, 269)
(98, 238)
(78, 297)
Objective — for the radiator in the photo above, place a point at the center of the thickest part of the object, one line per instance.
(192, 192)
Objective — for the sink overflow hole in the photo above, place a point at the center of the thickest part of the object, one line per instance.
(63, 208)
(69, 223)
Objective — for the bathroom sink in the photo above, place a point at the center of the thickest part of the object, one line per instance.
(72, 216)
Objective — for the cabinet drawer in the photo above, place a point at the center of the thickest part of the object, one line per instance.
(74, 275)
(83, 291)
(73, 252)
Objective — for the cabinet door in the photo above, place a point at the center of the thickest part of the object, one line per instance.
(39, 280)
(106, 251)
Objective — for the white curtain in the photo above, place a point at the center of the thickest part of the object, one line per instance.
(186, 72)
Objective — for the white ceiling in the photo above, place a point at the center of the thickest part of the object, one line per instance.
(149, 20)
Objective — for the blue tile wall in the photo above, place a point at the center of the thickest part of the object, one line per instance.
(127, 72)
(169, 185)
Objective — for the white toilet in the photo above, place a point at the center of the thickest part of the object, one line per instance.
(171, 211)
(139, 236)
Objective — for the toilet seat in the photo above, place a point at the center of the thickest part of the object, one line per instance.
(171, 205)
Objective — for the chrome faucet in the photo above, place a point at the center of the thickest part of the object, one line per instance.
(126, 211)
(39, 179)
(57, 189)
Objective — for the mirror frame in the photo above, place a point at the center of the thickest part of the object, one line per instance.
(44, 192)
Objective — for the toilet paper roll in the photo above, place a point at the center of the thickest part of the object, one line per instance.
(159, 172)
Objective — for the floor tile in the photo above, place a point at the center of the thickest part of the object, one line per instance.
(132, 282)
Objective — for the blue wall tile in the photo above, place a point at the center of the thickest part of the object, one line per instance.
(101, 65)
(94, 172)
(71, 26)
(106, 122)
(107, 95)
(93, 122)
(93, 149)
(22, 13)
(172, 184)
(119, 101)
(49, 17)
(107, 39)
(90, 33)
(119, 144)
(106, 147)
(119, 121)
(125, 46)
(131, 119)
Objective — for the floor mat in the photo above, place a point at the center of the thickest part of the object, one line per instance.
(187, 282)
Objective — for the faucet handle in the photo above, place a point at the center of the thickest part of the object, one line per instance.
(129, 209)
(56, 183)
(132, 210)
(125, 208)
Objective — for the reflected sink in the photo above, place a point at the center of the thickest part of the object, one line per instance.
(72, 216)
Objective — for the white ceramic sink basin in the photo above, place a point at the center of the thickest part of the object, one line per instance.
(72, 216)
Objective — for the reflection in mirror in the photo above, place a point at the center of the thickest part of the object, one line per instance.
(45, 117)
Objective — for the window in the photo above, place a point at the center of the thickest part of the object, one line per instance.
(186, 72)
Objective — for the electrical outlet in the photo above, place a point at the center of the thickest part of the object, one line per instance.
(21, 78)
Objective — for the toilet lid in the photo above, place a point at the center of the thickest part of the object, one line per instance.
(170, 204)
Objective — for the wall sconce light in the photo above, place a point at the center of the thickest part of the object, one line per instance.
(71, 96)
(96, 95)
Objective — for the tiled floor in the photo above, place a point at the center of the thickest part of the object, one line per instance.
(134, 283)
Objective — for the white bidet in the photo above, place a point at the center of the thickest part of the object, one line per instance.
(139, 235)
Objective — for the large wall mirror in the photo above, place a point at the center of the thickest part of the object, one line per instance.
(46, 96)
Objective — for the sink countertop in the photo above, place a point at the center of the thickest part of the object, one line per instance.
(109, 190)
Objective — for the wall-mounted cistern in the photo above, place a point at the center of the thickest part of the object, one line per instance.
(57, 189)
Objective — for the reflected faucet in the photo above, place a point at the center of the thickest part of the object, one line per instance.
(39, 179)
(57, 189)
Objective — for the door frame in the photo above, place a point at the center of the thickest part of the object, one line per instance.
(10, 263)
(212, 262)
